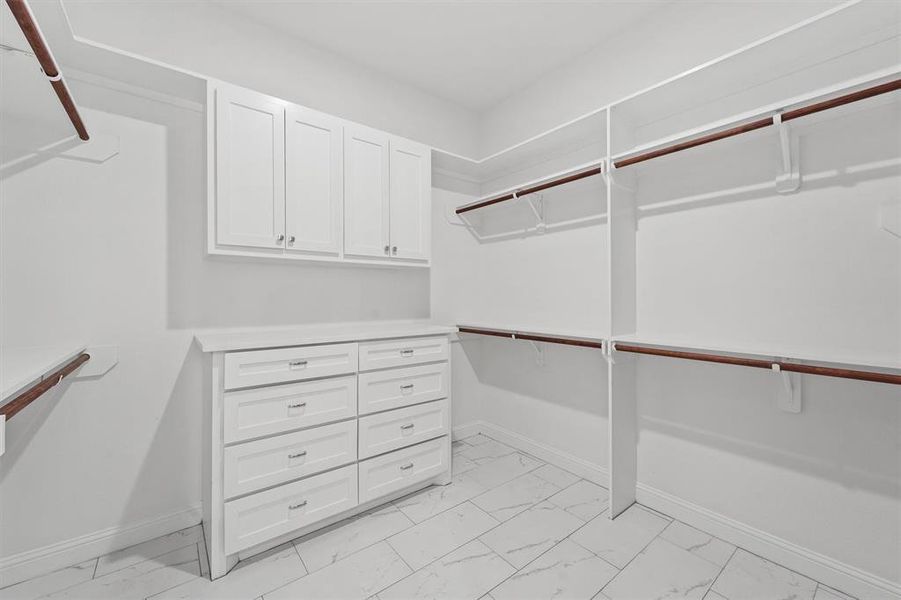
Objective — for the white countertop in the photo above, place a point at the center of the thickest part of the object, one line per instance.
(23, 366)
(253, 338)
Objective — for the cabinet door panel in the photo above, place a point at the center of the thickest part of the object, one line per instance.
(365, 192)
(313, 195)
(411, 188)
(250, 169)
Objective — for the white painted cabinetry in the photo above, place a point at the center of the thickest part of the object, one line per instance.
(302, 432)
(288, 182)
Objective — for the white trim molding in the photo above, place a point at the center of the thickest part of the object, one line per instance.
(824, 569)
(32, 563)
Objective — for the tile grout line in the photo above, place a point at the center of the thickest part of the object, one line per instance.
(96, 564)
(640, 551)
(723, 568)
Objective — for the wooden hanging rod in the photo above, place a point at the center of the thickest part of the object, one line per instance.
(550, 183)
(11, 408)
(29, 27)
(764, 364)
(534, 337)
(788, 115)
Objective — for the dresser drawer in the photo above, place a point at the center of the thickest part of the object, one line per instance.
(394, 388)
(402, 352)
(267, 462)
(395, 429)
(266, 515)
(265, 411)
(264, 367)
(396, 470)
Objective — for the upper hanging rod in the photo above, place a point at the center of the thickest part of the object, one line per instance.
(37, 390)
(534, 337)
(29, 27)
(788, 115)
(763, 364)
(596, 170)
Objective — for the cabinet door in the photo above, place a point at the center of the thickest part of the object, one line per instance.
(411, 189)
(313, 186)
(365, 192)
(250, 169)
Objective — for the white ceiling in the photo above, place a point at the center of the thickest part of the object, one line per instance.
(472, 52)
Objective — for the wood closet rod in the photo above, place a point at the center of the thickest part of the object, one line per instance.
(764, 364)
(531, 190)
(37, 390)
(788, 115)
(534, 337)
(29, 27)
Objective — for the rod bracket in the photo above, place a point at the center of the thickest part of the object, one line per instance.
(539, 352)
(788, 397)
(536, 203)
(790, 179)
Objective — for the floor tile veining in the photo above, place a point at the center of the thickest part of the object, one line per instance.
(509, 527)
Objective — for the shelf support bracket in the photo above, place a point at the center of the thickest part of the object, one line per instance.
(536, 203)
(539, 352)
(789, 395)
(790, 179)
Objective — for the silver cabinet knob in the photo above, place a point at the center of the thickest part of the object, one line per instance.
(394, 250)
(406, 466)
(291, 239)
(280, 238)
(387, 249)
(298, 505)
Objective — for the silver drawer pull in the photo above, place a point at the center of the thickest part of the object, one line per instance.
(406, 352)
(406, 466)
(298, 455)
(298, 405)
(297, 363)
(298, 505)
(408, 386)
(407, 426)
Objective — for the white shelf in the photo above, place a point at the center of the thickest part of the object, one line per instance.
(23, 366)
(581, 140)
(794, 353)
(842, 44)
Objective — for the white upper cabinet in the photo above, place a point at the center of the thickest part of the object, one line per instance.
(250, 169)
(313, 182)
(288, 182)
(411, 187)
(366, 192)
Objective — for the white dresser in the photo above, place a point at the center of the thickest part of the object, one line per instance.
(305, 426)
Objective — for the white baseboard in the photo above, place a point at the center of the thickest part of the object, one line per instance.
(40, 561)
(831, 572)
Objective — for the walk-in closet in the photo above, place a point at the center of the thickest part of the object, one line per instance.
(479, 300)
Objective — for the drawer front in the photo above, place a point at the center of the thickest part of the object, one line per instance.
(402, 352)
(264, 367)
(402, 427)
(265, 411)
(263, 463)
(266, 515)
(384, 390)
(391, 472)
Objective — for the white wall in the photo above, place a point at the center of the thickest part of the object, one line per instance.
(216, 42)
(114, 254)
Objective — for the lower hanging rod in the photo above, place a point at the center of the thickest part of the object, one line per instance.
(534, 337)
(11, 408)
(764, 364)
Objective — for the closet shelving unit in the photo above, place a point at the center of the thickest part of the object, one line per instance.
(839, 64)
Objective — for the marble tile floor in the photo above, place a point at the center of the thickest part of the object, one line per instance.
(509, 527)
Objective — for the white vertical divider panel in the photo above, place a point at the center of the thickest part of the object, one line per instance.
(622, 411)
